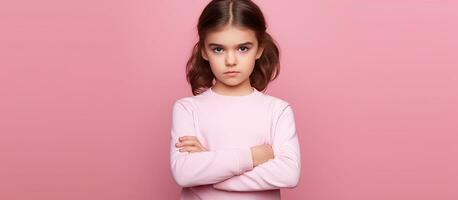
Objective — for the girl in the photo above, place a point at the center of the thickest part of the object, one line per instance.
(229, 140)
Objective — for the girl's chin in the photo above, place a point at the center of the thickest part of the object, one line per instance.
(232, 83)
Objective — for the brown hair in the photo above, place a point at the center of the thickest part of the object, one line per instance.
(242, 13)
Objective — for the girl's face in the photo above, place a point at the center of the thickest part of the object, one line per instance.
(232, 49)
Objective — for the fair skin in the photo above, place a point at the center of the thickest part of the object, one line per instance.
(231, 49)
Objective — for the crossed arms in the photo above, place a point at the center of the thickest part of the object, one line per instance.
(234, 169)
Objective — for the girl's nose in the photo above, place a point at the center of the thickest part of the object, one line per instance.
(231, 58)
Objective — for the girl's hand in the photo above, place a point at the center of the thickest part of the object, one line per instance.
(190, 144)
(261, 154)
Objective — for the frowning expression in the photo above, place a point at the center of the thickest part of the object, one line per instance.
(231, 52)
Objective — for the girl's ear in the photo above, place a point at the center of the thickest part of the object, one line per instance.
(259, 53)
(204, 54)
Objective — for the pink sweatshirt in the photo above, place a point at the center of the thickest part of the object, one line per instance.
(228, 126)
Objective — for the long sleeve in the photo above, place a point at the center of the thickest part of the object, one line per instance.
(201, 168)
(281, 172)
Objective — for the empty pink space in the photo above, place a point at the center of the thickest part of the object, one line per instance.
(87, 87)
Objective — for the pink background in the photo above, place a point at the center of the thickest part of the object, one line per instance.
(87, 87)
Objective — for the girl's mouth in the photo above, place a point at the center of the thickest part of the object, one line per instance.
(232, 73)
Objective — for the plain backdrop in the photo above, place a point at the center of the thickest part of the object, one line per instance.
(87, 88)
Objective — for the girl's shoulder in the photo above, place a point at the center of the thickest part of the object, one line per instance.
(185, 104)
(278, 105)
(185, 101)
(277, 100)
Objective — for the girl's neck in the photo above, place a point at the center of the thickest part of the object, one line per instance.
(242, 89)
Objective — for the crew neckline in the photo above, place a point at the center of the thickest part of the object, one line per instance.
(213, 93)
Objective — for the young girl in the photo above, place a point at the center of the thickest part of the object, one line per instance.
(229, 140)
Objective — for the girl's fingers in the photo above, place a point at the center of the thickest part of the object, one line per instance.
(186, 143)
(190, 143)
(200, 146)
(192, 149)
(189, 149)
(183, 138)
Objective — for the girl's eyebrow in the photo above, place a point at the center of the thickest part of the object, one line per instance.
(242, 44)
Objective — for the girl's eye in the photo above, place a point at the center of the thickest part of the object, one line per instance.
(216, 50)
(246, 49)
